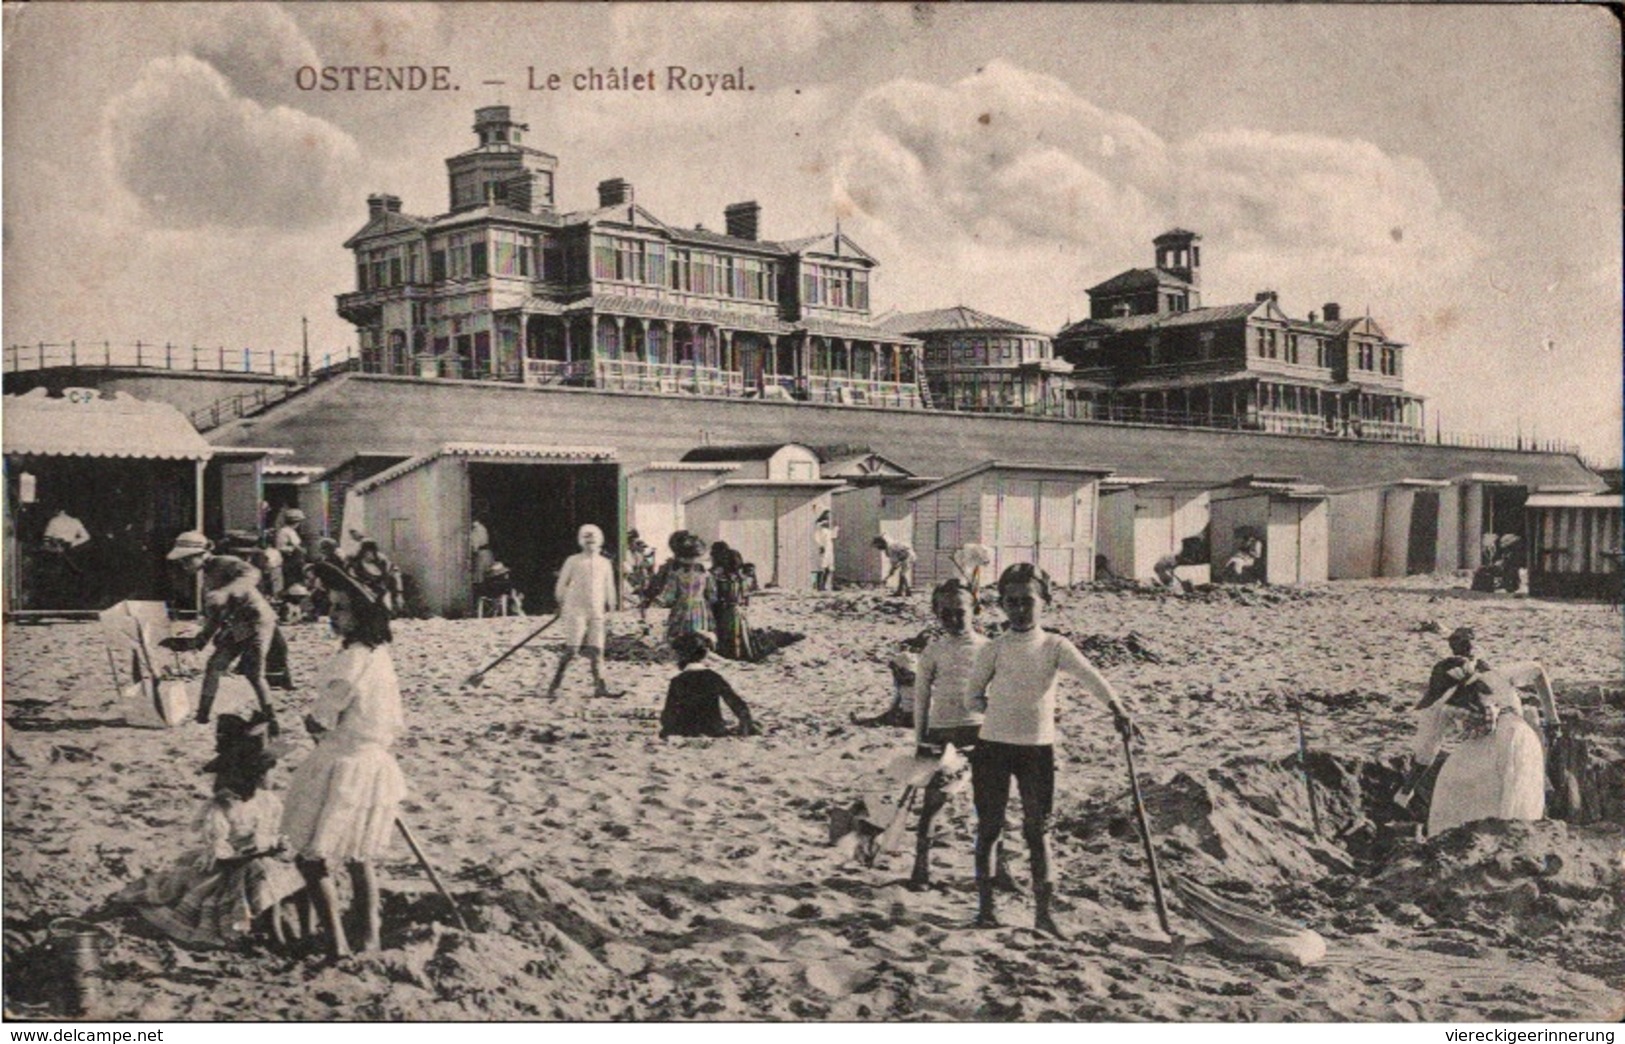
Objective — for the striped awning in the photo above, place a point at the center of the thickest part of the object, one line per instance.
(82, 423)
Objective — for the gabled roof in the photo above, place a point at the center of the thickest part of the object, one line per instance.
(390, 221)
(957, 318)
(1139, 279)
(752, 451)
(957, 477)
(621, 213)
(865, 465)
(1177, 233)
(84, 424)
(837, 244)
(706, 237)
(574, 454)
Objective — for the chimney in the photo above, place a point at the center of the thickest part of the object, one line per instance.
(614, 192)
(376, 204)
(743, 219)
(1311, 317)
(1332, 311)
(392, 204)
(1266, 295)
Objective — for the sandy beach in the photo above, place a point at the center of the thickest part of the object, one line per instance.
(611, 875)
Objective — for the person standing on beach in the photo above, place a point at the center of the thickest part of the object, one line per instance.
(824, 533)
(1013, 684)
(343, 799)
(586, 594)
(690, 591)
(901, 557)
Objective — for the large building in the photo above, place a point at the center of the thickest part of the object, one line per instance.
(1151, 352)
(505, 287)
(981, 363)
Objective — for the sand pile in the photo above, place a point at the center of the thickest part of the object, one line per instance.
(609, 875)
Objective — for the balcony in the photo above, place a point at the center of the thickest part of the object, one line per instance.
(635, 375)
(854, 391)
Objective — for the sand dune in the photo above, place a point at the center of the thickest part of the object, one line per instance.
(609, 874)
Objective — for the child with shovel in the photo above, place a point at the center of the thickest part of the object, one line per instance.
(1013, 684)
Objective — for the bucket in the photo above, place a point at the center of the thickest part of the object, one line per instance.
(78, 947)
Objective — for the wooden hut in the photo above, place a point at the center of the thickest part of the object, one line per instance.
(1392, 529)
(1289, 515)
(1144, 519)
(776, 461)
(1488, 504)
(131, 473)
(1574, 544)
(536, 498)
(768, 521)
(1023, 511)
(861, 513)
(655, 494)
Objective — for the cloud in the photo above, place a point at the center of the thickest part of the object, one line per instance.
(1011, 167)
(195, 153)
(257, 47)
(709, 33)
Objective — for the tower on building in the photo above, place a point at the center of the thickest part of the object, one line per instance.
(501, 170)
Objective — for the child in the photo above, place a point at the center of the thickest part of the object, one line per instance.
(901, 558)
(214, 895)
(733, 595)
(904, 667)
(343, 799)
(1013, 684)
(689, 591)
(694, 698)
(941, 715)
(586, 594)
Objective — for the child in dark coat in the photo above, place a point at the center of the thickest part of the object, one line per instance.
(695, 697)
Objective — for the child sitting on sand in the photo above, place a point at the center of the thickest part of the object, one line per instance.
(1013, 684)
(904, 666)
(694, 698)
(217, 894)
(343, 798)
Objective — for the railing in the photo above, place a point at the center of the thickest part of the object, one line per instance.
(232, 407)
(855, 391)
(167, 356)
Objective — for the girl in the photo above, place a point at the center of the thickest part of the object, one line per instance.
(733, 594)
(1499, 770)
(213, 895)
(1013, 684)
(941, 715)
(689, 591)
(695, 697)
(343, 799)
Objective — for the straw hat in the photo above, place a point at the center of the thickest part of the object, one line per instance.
(293, 515)
(335, 579)
(189, 544)
(497, 571)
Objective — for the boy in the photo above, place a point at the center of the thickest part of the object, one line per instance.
(586, 593)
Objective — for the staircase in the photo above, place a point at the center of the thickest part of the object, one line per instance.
(246, 404)
(924, 386)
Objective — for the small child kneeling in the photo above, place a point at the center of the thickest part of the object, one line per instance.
(694, 698)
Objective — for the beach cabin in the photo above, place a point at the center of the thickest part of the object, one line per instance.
(299, 486)
(1392, 529)
(1487, 504)
(1144, 519)
(655, 495)
(1574, 544)
(1290, 516)
(769, 521)
(1024, 511)
(863, 512)
(778, 461)
(535, 498)
(129, 471)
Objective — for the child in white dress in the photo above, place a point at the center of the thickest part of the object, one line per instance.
(343, 799)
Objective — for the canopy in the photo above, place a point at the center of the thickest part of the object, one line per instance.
(84, 424)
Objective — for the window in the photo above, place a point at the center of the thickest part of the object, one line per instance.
(360, 275)
(1153, 346)
(680, 270)
(476, 260)
(1291, 347)
(1263, 344)
(1390, 362)
(1322, 358)
(437, 266)
(1367, 357)
(1204, 347)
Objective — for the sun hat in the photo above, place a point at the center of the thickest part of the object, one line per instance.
(242, 744)
(293, 515)
(188, 544)
(335, 579)
(497, 570)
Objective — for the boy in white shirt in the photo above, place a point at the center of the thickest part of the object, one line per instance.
(586, 593)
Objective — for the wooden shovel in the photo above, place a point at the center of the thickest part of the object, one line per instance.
(434, 878)
(474, 679)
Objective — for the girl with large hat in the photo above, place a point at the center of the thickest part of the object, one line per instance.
(343, 799)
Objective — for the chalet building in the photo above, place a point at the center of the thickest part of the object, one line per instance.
(503, 286)
(978, 362)
(1150, 351)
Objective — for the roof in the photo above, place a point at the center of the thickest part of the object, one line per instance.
(574, 454)
(84, 424)
(386, 223)
(1595, 501)
(1193, 317)
(1100, 470)
(863, 332)
(958, 318)
(1139, 279)
(864, 465)
(1189, 380)
(1177, 233)
(716, 468)
(841, 245)
(382, 459)
(1288, 486)
(625, 304)
(706, 237)
(751, 451)
(812, 486)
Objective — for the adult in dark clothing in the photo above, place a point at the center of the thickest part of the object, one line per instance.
(695, 697)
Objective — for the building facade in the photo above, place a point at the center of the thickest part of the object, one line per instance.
(1151, 352)
(505, 287)
(982, 363)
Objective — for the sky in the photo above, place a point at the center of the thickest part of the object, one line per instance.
(1455, 171)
